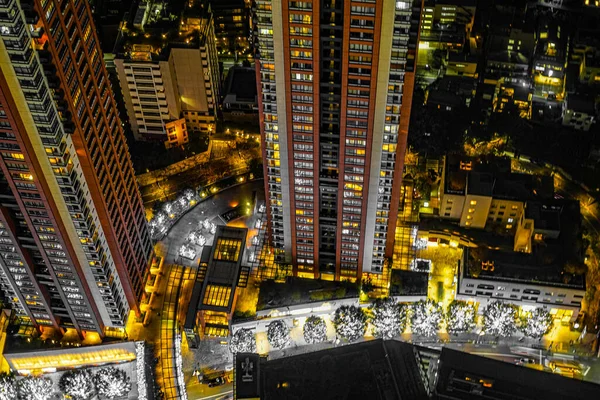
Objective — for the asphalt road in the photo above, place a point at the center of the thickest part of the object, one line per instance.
(193, 177)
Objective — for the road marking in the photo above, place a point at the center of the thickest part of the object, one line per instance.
(215, 396)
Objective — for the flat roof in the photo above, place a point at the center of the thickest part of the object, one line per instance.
(581, 103)
(492, 176)
(241, 82)
(224, 267)
(376, 370)
(546, 215)
(504, 380)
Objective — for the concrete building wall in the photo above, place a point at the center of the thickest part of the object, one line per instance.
(452, 206)
(521, 294)
(475, 211)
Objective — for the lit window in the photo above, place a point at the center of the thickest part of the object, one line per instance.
(473, 202)
(510, 220)
(509, 226)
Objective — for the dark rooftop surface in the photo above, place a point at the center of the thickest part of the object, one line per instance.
(581, 103)
(546, 215)
(374, 370)
(492, 177)
(300, 291)
(507, 381)
(241, 81)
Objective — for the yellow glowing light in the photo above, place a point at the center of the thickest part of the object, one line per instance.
(202, 194)
(54, 360)
(214, 189)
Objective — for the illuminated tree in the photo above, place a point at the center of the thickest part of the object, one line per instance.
(8, 387)
(189, 194)
(315, 330)
(389, 318)
(461, 317)
(350, 322)
(278, 334)
(426, 318)
(34, 388)
(537, 324)
(243, 341)
(499, 319)
(78, 384)
(112, 382)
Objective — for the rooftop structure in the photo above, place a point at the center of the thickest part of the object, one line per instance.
(220, 273)
(547, 272)
(394, 370)
(579, 111)
(239, 95)
(375, 370)
(167, 65)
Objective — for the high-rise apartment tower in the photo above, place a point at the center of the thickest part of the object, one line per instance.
(335, 81)
(74, 243)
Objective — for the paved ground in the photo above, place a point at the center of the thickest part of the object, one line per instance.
(209, 209)
(212, 355)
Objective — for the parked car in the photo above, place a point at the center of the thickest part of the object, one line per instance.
(216, 382)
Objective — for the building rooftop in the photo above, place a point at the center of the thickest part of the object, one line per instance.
(492, 177)
(546, 215)
(581, 103)
(468, 376)
(155, 28)
(241, 82)
(395, 370)
(377, 370)
(224, 268)
(548, 262)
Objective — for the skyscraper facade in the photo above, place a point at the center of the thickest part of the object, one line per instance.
(74, 243)
(335, 81)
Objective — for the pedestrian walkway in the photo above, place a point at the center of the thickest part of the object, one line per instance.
(167, 374)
